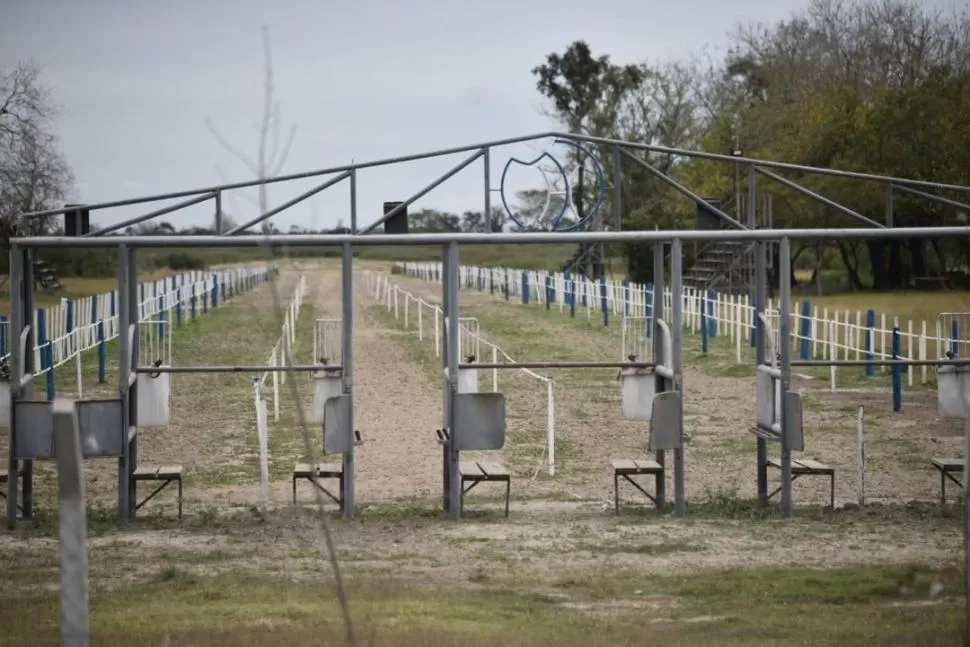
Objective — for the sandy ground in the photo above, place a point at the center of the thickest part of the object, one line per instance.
(396, 407)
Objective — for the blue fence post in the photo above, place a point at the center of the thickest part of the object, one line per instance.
(603, 302)
(161, 319)
(548, 291)
(712, 313)
(525, 288)
(704, 329)
(215, 291)
(505, 284)
(71, 344)
(94, 311)
(112, 303)
(754, 322)
(897, 377)
(192, 302)
(178, 300)
(46, 352)
(870, 332)
(571, 282)
(626, 298)
(805, 328)
(102, 353)
(648, 309)
(4, 331)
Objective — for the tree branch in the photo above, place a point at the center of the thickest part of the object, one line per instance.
(229, 147)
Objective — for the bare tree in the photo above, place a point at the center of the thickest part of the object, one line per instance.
(272, 150)
(33, 173)
(271, 155)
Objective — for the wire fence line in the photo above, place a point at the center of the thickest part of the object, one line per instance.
(428, 318)
(817, 332)
(282, 351)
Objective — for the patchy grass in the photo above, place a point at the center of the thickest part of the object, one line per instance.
(840, 606)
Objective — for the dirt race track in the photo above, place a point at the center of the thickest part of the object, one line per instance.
(639, 572)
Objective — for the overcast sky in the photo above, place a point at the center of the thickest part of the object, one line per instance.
(360, 80)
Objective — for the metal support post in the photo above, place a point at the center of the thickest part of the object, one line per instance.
(347, 360)
(445, 393)
(784, 306)
(127, 382)
(353, 201)
(72, 525)
(617, 184)
(759, 299)
(487, 180)
(451, 352)
(676, 329)
(658, 358)
(27, 392)
(21, 363)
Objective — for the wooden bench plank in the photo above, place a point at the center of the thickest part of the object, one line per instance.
(813, 466)
(648, 466)
(948, 464)
(306, 470)
(807, 467)
(470, 469)
(803, 466)
(624, 465)
(493, 469)
(480, 472)
(167, 474)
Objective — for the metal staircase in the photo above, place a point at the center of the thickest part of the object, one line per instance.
(44, 275)
(729, 266)
(585, 261)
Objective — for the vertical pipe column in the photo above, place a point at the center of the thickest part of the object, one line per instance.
(134, 361)
(347, 361)
(758, 299)
(353, 201)
(445, 394)
(29, 367)
(487, 179)
(677, 329)
(451, 353)
(128, 306)
(617, 184)
(784, 307)
(20, 363)
(658, 342)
